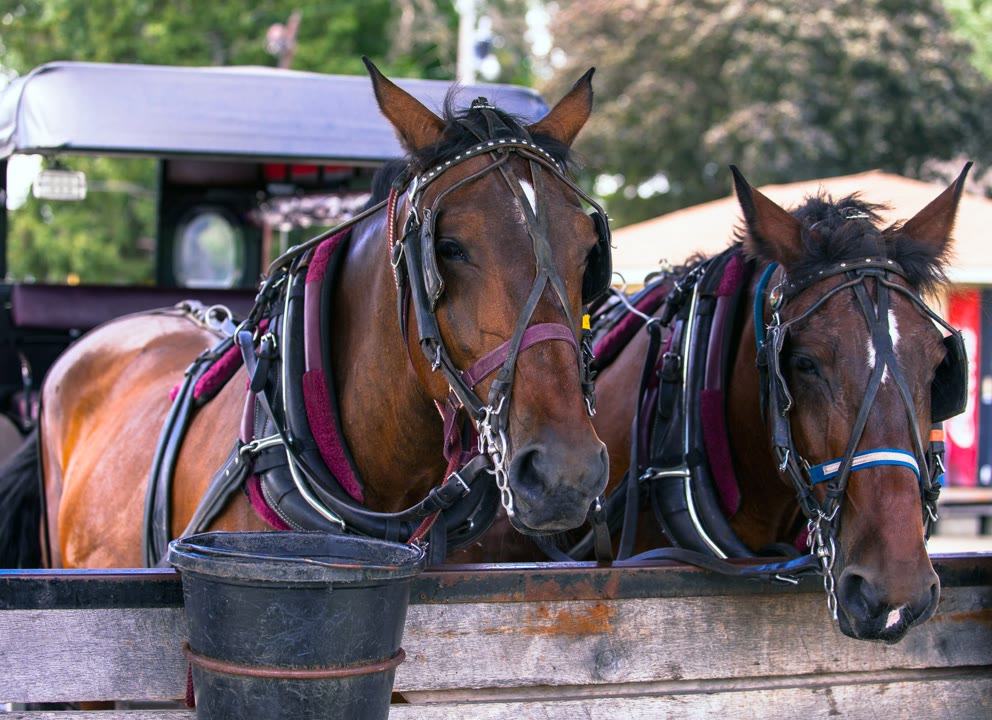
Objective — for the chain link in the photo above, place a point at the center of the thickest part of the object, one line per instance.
(492, 441)
(820, 540)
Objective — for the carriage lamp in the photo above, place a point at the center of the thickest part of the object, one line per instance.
(59, 185)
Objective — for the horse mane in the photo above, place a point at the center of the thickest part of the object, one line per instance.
(830, 236)
(463, 130)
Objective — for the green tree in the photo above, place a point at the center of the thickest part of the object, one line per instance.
(972, 20)
(787, 90)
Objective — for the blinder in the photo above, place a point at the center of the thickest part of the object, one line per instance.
(949, 391)
(599, 267)
(433, 281)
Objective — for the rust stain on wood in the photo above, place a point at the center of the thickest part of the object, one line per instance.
(593, 619)
(979, 616)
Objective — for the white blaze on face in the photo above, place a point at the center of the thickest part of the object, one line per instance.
(894, 335)
(529, 193)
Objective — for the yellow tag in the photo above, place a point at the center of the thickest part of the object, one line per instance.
(586, 324)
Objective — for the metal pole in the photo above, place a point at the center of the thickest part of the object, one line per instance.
(3, 220)
(466, 42)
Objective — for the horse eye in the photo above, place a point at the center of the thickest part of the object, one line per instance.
(451, 250)
(802, 364)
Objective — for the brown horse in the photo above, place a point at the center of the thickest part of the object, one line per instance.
(494, 256)
(852, 370)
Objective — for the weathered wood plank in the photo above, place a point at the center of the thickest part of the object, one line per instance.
(95, 589)
(935, 699)
(650, 639)
(135, 654)
(83, 655)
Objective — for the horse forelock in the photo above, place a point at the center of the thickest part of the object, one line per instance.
(460, 135)
(835, 231)
(464, 128)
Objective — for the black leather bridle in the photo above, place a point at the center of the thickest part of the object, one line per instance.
(418, 277)
(777, 400)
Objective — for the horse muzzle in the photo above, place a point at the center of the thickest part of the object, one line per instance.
(553, 488)
(869, 609)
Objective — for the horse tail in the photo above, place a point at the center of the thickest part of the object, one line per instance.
(21, 506)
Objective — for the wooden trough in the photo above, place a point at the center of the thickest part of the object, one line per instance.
(554, 642)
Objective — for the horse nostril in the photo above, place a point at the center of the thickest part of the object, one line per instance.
(878, 612)
(931, 600)
(857, 594)
(526, 471)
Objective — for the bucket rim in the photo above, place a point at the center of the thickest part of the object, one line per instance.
(216, 554)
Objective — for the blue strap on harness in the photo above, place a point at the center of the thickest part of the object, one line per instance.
(865, 459)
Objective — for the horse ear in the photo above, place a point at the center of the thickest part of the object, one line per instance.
(934, 223)
(568, 116)
(415, 125)
(773, 234)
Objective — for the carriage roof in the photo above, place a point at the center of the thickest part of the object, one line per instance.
(249, 113)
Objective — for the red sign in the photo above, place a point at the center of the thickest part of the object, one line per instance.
(964, 313)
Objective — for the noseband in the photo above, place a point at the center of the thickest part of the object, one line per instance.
(777, 400)
(419, 281)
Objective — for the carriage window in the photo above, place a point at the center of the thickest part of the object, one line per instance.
(209, 250)
(103, 236)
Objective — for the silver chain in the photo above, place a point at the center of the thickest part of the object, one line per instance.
(493, 443)
(820, 540)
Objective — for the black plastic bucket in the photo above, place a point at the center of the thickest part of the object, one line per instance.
(294, 624)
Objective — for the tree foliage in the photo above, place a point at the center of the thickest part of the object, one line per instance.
(972, 20)
(787, 90)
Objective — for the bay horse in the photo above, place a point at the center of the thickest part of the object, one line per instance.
(836, 371)
(483, 243)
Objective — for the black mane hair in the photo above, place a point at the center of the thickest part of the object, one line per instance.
(833, 232)
(463, 131)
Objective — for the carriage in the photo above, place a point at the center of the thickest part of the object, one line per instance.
(550, 639)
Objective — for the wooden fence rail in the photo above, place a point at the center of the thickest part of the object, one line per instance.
(548, 642)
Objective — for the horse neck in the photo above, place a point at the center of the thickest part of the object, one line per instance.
(388, 420)
(768, 503)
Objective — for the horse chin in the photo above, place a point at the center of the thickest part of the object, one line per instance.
(882, 631)
(544, 523)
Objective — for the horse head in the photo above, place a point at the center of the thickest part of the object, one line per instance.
(856, 371)
(497, 255)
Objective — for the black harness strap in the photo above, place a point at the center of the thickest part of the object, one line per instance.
(158, 506)
(225, 483)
